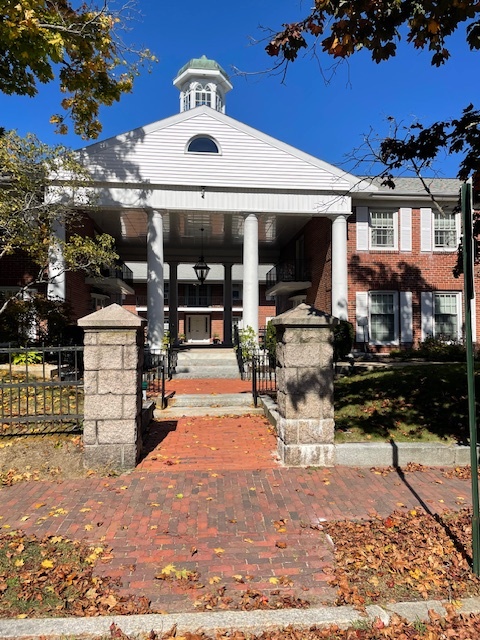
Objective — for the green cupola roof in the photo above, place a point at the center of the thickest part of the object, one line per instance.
(202, 63)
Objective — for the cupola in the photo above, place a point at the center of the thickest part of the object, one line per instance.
(202, 82)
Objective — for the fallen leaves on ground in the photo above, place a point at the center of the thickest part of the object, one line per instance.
(54, 576)
(406, 556)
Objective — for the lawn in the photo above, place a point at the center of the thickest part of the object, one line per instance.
(409, 404)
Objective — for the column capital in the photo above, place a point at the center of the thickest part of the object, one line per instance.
(336, 216)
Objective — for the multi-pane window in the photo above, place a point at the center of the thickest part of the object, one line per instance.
(203, 95)
(445, 230)
(446, 316)
(382, 317)
(382, 229)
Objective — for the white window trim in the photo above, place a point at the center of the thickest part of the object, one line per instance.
(203, 153)
(428, 313)
(396, 315)
(458, 297)
(364, 230)
(395, 230)
(427, 232)
(457, 235)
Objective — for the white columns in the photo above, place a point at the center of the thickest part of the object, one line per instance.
(56, 288)
(250, 273)
(227, 304)
(155, 312)
(339, 267)
(173, 300)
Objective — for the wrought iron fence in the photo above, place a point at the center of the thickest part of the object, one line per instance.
(158, 366)
(264, 375)
(41, 390)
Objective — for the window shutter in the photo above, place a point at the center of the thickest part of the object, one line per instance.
(474, 318)
(426, 307)
(460, 316)
(362, 228)
(425, 229)
(361, 315)
(406, 317)
(405, 229)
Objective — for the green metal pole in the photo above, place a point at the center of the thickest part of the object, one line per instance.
(469, 294)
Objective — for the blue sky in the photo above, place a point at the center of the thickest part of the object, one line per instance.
(326, 119)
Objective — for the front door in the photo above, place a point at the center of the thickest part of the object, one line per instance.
(198, 328)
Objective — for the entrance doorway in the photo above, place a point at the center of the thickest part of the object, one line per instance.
(198, 328)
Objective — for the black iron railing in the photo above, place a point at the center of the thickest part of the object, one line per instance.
(158, 366)
(289, 271)
(264, 375)
(41, 390)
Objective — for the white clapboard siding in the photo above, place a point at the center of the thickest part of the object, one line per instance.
(425, 229)
(427, 312)
(361, 315)
(406, 317)
(247, 158)
(405, 229)
(362, 227)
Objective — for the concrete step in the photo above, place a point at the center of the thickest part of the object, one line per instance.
(211, 400)
(194, 371)
(228, 404)
(179, 412)
(206, 362)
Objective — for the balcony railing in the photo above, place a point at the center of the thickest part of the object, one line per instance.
(289, 271)
(121, 272)
(193, 301)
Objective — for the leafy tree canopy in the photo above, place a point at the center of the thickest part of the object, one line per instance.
(32, 210)
(344, 27)
(80, 46)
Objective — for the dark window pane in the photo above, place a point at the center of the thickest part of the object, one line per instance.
(202, 145)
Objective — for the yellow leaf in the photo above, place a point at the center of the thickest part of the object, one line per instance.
(219, 550)
(84, 510)
(56, 539)
(273, 580)
(124, 487)
(238, 578)
(179, 496)
(170, 568)
(248, 540)
(24, 518)
(154, 504)
(47, 564)
(214, 580)
(38, 505)
(88, 527)
(22, 615)
(19, 563)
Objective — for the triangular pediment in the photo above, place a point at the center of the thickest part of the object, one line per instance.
(248, 159)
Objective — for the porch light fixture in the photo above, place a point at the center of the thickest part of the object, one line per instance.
(201, 268)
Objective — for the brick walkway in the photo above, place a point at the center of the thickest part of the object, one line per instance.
(210, 497)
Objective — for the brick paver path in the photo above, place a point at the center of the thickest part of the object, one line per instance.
(211, 497)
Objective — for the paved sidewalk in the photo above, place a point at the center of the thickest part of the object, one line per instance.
(211, 497)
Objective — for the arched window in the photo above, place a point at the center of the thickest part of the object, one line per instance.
(203, 95)
(202, 144)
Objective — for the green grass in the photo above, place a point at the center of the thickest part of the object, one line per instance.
(411, 404)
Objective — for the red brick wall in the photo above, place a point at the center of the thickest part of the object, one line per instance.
(413, 271)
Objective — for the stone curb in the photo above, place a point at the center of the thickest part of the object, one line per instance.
(385, 454)
(209, 622)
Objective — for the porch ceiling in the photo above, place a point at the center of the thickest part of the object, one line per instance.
(222, 236)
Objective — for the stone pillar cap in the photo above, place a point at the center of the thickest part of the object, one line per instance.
(305, 315)
(112, 317)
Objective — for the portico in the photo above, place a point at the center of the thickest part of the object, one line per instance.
(159, 185)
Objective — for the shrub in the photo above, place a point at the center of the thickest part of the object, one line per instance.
(27, 357)
(248, 342)
(343, 334)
